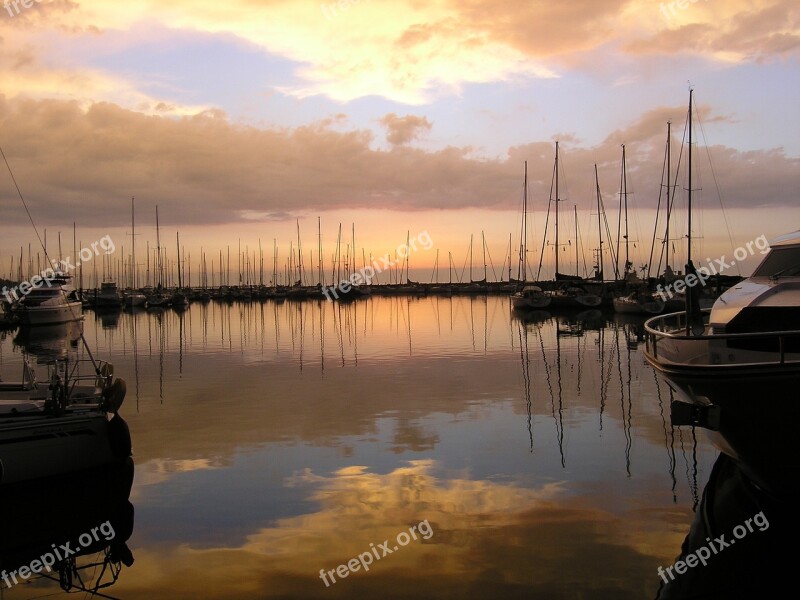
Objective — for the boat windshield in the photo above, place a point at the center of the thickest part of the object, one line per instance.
(780, 262)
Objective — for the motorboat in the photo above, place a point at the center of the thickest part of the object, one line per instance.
(51, 302)
(108, 296)
(737, 365)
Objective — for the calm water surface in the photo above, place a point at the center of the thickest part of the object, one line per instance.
(275, 440)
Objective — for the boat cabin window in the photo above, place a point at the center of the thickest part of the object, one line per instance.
(784, 262)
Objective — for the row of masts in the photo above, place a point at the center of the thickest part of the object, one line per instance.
(621, 249)
(216, 269)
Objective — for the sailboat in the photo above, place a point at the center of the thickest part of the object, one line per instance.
(639, 300)
(568, 292)
(133, 297)
(158, 298)
(179, 300)
(529, 296)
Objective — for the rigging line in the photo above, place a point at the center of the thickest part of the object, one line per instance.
(44, 249)
(25, 204)
(716, 185)
(546, 224)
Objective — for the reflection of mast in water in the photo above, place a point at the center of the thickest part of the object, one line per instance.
(302, 332)
(526, 374)
(622, 386)
(180, 343)
(604, 379)
(691, 472)
(161, 343)
(322, 306)
(135, 357)
(408, 307)
(277, 329)
(669, 438)
(337, 317)
(560, 421)
(559, 434)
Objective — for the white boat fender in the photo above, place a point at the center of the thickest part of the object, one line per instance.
(114, 396)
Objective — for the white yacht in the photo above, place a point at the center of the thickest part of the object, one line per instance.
(741, 358)
(49, 304)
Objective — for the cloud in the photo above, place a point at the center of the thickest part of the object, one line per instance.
(402, 50)
(73, 163)
(402, 130)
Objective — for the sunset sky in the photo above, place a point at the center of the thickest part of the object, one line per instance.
(238, 118)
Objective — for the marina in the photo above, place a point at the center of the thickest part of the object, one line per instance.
(399, 300)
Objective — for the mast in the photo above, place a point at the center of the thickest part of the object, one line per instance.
(689, 245)
(556, 168)
(623, 201)
(483, 240)
(158, 250)
(178, 241)
(669, 200)
(470, 258)
(523, 258)
(576, 240)
(319, 248)
(599, 227)
(133, 246)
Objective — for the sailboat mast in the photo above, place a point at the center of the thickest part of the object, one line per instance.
(576, 240)
(556, 168)
(599, 228)
(178, 243)
(158, 250)
(689, 245)
(523, 259)
(669, 199)
(625, 194)
(319, 248)
(133, 246)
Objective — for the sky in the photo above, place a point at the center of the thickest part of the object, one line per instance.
(246, 120)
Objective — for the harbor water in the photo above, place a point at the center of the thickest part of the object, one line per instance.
(390, 447)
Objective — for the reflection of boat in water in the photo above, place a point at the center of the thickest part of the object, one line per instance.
(737, 544)
(49, 342)
(96, 524)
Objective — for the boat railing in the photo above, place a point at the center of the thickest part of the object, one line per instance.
(87, 379)
(761, 348)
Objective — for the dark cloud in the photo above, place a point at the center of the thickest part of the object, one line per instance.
(84, 165)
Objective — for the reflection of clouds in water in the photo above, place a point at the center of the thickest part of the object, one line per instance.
(162, 469)
(489, 540)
